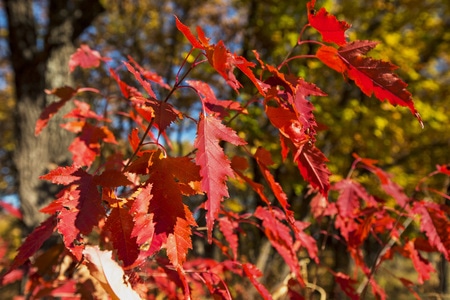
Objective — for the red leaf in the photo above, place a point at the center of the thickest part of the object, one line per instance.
(331, 29)
(65, 94)
(124, 88)
(11, 276)
(346, 284)
(83, 154)
(112, 178)
(63, 175)
(86, 147)
(10, 209)
(410, 286)
(389, 186)
(287, 122)
(252, 273)
(280, 237)
(33, 242)
(263, 158)
(179, 242)
(303, 107)
(444, 169)
(145, 84)
(81, 211)
(214, 165)
(228, 227)
(423, 267)
(85, 57)
(188, 34)
(321, 207)
(350, 192)
(166, 177)
(306, 240)
(435, 225)
(144, 228)
(148, 74)
(372, 76)
(120, 225)
(211, 104)
(375, 76)
(245, 66)
(83, 111)
(164, 113)
(257, 187)
(330, 57)
(311, 163)
(108, 273)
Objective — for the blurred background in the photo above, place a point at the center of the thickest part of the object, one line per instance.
(38, 36)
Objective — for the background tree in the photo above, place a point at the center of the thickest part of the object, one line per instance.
(40, 40)
(273, 28)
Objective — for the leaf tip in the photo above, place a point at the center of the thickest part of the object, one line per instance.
(419, 118)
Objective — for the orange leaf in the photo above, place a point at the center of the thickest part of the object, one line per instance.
(329, 56)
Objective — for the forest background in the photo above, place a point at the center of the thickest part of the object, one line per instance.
(413, 35)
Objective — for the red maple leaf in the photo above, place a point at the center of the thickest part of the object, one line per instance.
(211, 104)
(239, 164)
(287, 122)
(188, 34)
(124, 88)
(423, 267)
(350, 192)
(144, 228)
(221, 59)
(311, 163)
(372, 76)
(11, 210)
(252, 273)
(148, 74)
(264, 159)
(346, 283)
(280, 237)
(306, 240)
(63, 175)
(389, 186)
(227, 227)
(435, 225)
(171, 216)
(33, 243)
(120, 225)
(303, 107)
(85, 57)
(214, 164)
(79, 208)
(164, 113)
(331, 29)
(145, 84)
(86, 147)
(83, 111)
(112, 178)
(65, 94)
(310, 160)
(179, 242)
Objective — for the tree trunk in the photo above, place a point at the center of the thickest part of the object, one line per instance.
(39, 63)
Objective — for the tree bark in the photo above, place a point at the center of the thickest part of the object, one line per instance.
(40, 62)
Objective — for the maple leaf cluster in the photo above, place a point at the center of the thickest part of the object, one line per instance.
(123, 214)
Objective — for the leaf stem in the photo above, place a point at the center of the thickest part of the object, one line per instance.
(177, 84)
